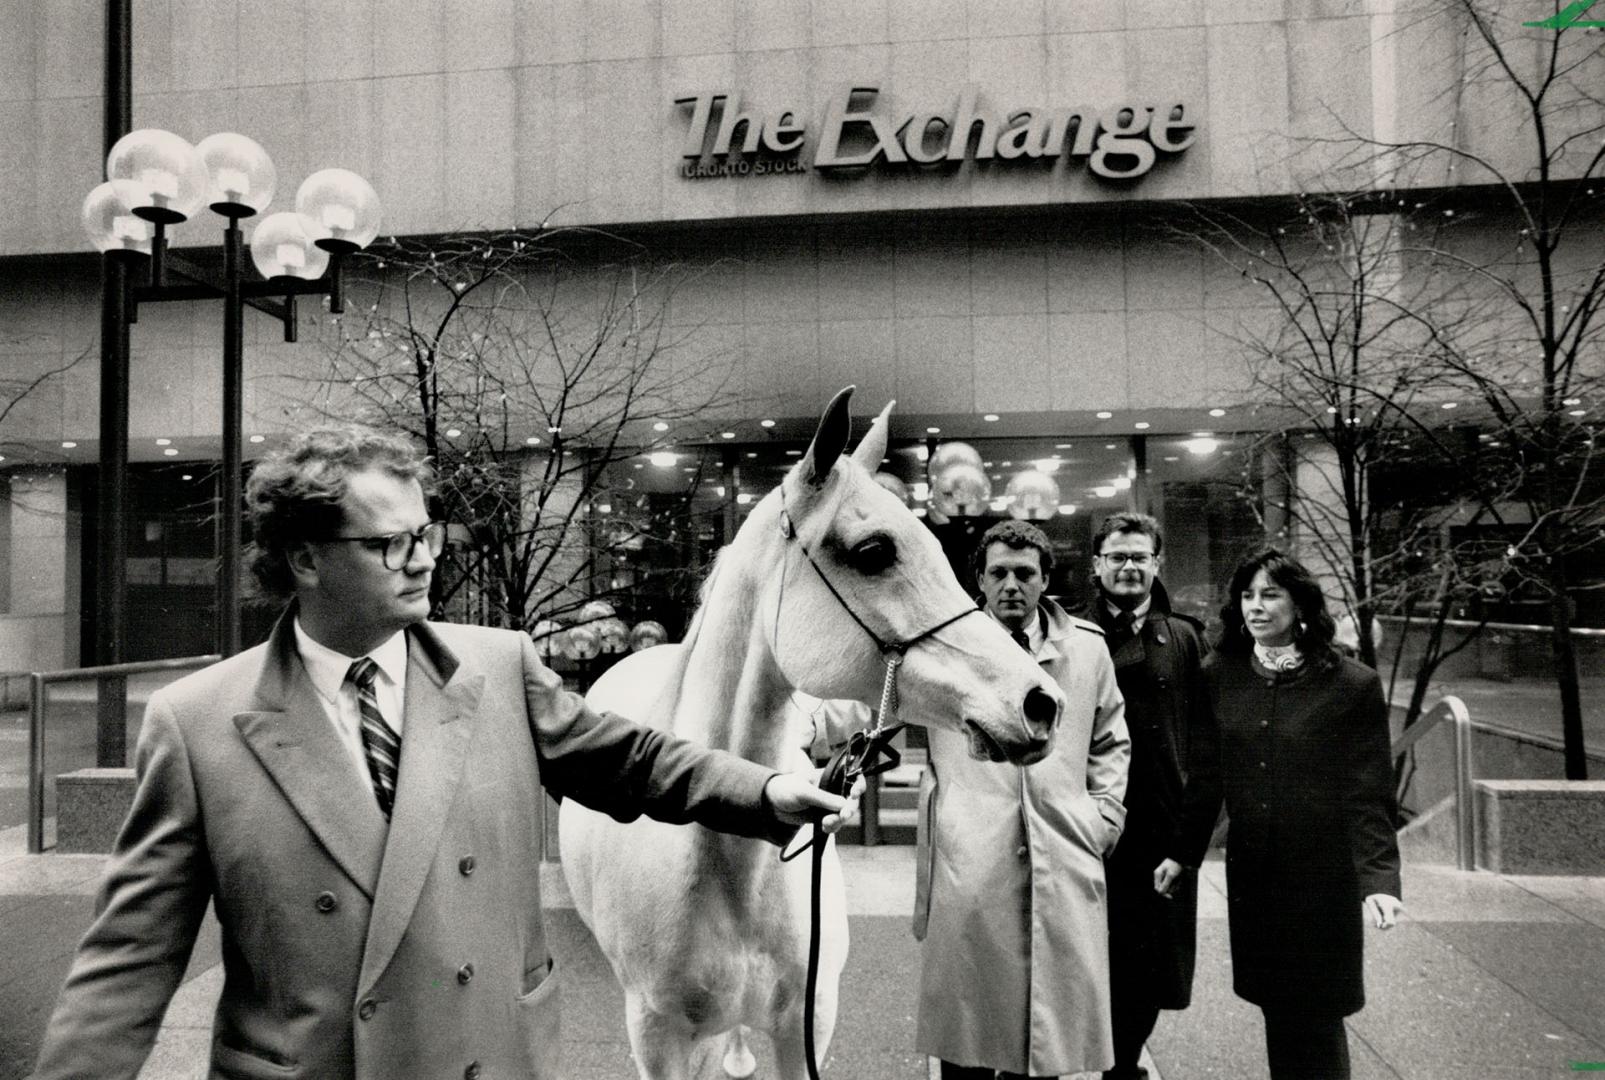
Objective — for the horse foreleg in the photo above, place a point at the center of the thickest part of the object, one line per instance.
(791, 1058)
(661, 1044)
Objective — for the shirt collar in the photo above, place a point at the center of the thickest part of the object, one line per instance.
(1033, 629)
(1138, 613)
(328, 667)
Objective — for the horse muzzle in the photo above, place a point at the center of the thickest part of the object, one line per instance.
(1028, 744)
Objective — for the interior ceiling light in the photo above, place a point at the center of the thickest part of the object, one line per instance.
(533, 440)
(258, 438)
(452, 433)
(990, 418)
(933, 431)
(69, 445)
(1106, 415)
(766, 423)
(1142, 425)
(1217, 412)
(663, 459)
(164, 442)
(660, 426)
(1104, 492)
(1450, 405)
(727, 434)
(1572, 401)
(170, 452)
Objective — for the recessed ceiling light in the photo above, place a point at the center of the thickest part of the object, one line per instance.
(727, 434)
(1572, 401)
(660, 426)
(1331, 410)
(187, 476)
(170, 452)
(1110, 446)
(1172, 457)
(452, 433)
(1067, 509)
(933, 431)
(164, 442)
(1578, 412)
(1217, 412)
(1106, 415)
(752, 453)
(663, 459)
(766, 423)
(794, 453)
(1063, 445)
(1104, 492)
(1450, 405)
(533, 440)
(1142, 425)
(743, 497)
(68, 445)
(258, 438)
(990, 418)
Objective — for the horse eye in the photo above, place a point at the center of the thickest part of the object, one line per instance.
(873, 555)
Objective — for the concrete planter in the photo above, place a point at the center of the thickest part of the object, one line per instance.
(1541, 826)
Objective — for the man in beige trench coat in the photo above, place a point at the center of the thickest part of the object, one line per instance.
(358, 797)
(1015, 973)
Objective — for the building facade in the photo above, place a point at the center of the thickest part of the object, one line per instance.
(969, 206)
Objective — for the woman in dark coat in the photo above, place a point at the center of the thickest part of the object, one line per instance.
(1296, 743)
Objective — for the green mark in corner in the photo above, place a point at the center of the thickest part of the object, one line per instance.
(1586, 1066)
(1572, 15)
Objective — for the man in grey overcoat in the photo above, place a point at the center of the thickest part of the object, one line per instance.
(358, 798)
(1015, 968)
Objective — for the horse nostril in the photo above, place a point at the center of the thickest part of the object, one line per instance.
(1041, 712)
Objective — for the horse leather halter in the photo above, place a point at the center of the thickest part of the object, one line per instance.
(867, 753)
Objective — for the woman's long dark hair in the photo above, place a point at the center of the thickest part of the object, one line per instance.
(1313, 629)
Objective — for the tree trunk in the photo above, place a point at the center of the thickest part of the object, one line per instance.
(1565, 651)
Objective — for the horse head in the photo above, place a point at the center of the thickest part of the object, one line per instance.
(861, 576)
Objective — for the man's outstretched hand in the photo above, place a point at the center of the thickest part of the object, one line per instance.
(798, 799)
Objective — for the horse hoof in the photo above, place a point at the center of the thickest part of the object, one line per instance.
(738, 1061)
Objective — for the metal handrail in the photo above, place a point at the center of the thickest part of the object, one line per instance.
(1512, 628)
(1465, 817)
(37, 681)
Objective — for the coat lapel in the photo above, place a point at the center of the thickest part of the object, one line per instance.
(441, 702)
(292, 737)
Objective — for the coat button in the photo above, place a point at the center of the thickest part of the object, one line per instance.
(326, 902)
(465, 973)
(1264, 723)
(465, 865)
(1024, 852)
(472, 1072)
(1262, 765)
(367, 1009)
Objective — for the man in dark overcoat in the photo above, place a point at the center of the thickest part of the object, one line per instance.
(1157, 655)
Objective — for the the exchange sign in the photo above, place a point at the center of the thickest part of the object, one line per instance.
(1121, 142)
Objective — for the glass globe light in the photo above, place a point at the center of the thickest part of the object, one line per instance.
(110, 224)
(615, 634)
(960, 488)
(241, 176)
(582, 643)
(344, 205)
(285, 245)
(1033, 495)
(647, 633)
(168, 175)
(547, 635)
(949, 453)
(596, 609)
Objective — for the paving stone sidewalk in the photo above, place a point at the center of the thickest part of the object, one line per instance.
(1489, 976)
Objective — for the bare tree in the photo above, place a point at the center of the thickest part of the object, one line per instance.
(1518, 321)
(1357, 466)
(15, 389)
(530, 367)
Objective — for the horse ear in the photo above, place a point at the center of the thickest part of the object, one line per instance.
(830, 439)
(872, 447)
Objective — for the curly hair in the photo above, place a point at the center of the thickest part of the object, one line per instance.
(1128, 521)
(1313, 629)
(1018, 535)
(294, 493)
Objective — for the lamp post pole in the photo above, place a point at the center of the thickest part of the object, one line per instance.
(230, 493)
(111, 486)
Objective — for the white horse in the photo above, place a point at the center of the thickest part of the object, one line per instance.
(708, 933)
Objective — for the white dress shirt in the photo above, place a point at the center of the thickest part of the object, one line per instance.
(1139, 614)
(1035, 635)
(327, 669)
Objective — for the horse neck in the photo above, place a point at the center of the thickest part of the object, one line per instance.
(733, 695)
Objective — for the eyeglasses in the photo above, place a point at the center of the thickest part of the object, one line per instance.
(397, 548)
(1138, 559)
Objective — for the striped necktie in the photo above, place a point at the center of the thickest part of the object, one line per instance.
(380, 744)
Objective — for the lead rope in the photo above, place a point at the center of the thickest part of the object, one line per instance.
(866, 754)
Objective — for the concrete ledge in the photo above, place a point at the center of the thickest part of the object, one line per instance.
(90, 807)
(1541, 826)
